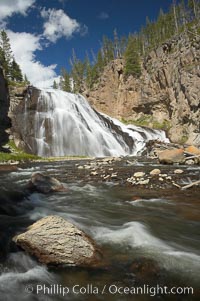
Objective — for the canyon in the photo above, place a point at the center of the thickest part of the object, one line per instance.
(165, 96)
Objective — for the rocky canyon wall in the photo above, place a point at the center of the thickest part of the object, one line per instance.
(23, 99)
(167, 93)
(4, 107)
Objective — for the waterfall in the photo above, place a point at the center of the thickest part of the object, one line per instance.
(65, 124)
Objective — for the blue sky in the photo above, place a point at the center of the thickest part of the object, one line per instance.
(43, 32)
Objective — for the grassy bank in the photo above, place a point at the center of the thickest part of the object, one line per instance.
(21, 157)
(5, 157)
(15, 154)
(149, 121)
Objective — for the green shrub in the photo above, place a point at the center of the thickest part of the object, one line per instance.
(149, 121)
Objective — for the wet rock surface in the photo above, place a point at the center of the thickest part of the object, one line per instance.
(53, 240)
(45, 184)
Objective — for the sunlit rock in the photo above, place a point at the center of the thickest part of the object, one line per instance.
(53, 240)
(171, 156)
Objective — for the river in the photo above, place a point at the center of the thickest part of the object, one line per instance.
(147, 240)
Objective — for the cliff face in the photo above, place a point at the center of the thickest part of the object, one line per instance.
(23, 100)
(167, 93)
(4, 107)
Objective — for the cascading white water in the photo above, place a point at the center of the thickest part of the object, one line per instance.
(65, 124)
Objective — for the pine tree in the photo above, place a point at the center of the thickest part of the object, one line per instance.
(193, 5)
(170, 26)
(132, 59)
(175, 15)
(122, 45)
(143, 41)
(78, 73)
(2, 58)
(100, 62)
(15, 72)
(55, 85)
(107, 50)
(89, 72)
(183, 14)
(11, 68)
(26, 79)
(6, 54)
(117, 53)
(65, 81)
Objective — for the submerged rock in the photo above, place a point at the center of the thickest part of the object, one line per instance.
(145, 270)
(45, 184)
(171, 156)
(53, 240)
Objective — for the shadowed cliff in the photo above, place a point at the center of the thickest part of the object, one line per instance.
(4, 108)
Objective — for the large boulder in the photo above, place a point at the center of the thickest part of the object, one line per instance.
(53, 240)
(45, 184)
(171, 156)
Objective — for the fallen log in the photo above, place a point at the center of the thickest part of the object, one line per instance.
(190, 185)
(192, 156)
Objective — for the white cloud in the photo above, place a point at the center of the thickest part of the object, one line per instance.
(10, 7)
(103, 16)
(58, 24)
(24, 46)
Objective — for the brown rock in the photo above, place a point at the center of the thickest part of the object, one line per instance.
(171, 156)
(193, 150)
(53, 240)
(45, 184)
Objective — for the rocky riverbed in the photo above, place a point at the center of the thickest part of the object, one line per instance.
(136, 172)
